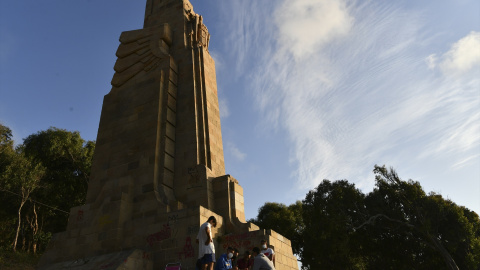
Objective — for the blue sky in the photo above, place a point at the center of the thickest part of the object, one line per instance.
(308, 89)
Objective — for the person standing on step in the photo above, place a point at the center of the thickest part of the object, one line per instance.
(268, 252)
(206, 249)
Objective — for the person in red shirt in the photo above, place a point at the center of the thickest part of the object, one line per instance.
(245, 262)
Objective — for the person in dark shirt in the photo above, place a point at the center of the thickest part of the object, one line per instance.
(235, 259)
(244, 263)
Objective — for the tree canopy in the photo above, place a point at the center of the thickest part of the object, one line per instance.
(40, 180)
(396, 226)
(286, 220)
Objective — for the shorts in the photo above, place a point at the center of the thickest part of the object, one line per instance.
(208, 258)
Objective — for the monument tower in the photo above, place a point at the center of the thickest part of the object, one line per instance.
(158, 170)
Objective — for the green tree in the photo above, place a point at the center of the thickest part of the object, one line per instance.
(22, 176)
(7, 150)
(396, 226)
(328, 213)
(286, 220)
(67, 160)
(7, 200)
(409, 229)
(39, 180)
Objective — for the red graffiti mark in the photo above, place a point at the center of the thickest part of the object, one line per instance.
(105, 266)
(247, 244)
(240, 241)
(188, 251)
(165, 233)
(80, 215)
(146, 255)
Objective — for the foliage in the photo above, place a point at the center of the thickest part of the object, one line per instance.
(328, 212)
(21, 176)
(286, 220)
(40, 180)
(396, 226)
(10, 260)
(423, 231)
(6, 147)
(7, 153)
(67, 159)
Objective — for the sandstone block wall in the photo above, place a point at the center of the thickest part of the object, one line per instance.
(158, 170)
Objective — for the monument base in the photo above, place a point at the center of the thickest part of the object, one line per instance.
(155, 242)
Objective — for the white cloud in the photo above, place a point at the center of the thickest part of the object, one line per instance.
(349, 89)
(217, 57)
(465, 161)
(431, 61)
(235, 152)
(356, 98)
(326, 99)
(243, 30)
(223, 106)
(462, 56)
(304, 26)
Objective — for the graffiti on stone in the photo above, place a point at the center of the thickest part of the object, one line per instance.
(79, 215)
(172, 219)
(165, 233)
(245, 241)
(194, 180)
(188, 250)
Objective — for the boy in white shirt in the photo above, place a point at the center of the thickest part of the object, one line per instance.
(206, 249)
(268, 252)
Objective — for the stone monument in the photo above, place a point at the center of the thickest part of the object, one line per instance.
(158, 171)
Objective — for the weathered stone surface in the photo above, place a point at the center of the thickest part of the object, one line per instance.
(158, 171)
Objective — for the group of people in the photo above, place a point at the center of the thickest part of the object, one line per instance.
(258, 259)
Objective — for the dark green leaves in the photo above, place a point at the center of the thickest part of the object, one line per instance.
(396, 226)
(49, 171)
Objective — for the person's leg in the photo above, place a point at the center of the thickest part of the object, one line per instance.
(204, 262)
(210, 261)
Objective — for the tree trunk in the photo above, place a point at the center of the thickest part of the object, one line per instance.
(24, 239)
(445, 254)
(18, 227)
(35, 230)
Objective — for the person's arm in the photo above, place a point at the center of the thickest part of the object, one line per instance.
(209, 236)
(198, 235)
(222, 262)
(256, 266)
(271, 257)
